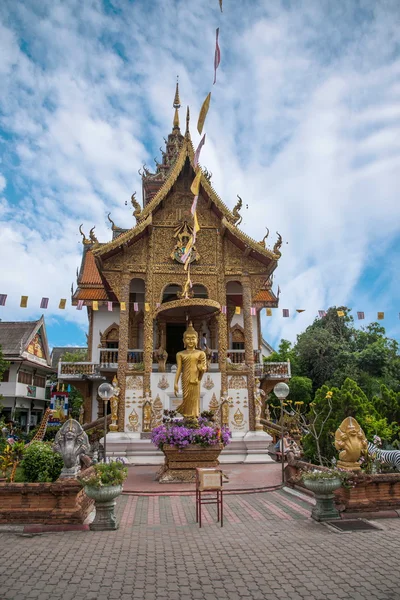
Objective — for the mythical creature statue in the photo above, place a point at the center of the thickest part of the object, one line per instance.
(161, 355)
(350, 441)
(258, 402)
(263, 241)
(71, 442)
(238, 217)
(137, 208)
(114, 401)
(92, 236)
(207, 174)
(277, 246)
(191, 364)
(84, 238)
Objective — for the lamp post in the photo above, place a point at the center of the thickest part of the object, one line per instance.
(281, 391)
(105, 392)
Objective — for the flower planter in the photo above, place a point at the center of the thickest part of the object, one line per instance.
(180, 465)
(323, 489)
(105, 501)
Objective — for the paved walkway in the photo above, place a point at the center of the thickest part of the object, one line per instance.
(268, 549)
(141, 479)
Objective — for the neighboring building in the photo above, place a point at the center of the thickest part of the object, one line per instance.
(58, 353)
(141, 271)
(24, 345)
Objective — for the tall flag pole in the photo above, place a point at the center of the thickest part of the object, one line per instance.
(217, 55)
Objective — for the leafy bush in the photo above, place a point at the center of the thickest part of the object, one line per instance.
(41, 464)
(105, 474)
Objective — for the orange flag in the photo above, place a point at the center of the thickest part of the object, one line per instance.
(203, 114)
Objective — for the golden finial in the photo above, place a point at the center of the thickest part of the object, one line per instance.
(176, 104)
(187, 120)
(137, 208)
(93, 238)
(85, 241)
(113, 226)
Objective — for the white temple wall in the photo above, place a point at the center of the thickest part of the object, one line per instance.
(238, 319)
(102, 319)
(239, 405)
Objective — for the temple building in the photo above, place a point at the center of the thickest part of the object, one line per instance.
(136, 292)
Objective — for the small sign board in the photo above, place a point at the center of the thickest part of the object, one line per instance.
(209, 479)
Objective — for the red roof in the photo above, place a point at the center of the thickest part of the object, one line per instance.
(90, 274)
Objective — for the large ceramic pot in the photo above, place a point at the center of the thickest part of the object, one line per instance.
(324, 509)
(105, 501)
(180, 465)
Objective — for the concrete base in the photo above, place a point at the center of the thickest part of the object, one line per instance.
(251, 448)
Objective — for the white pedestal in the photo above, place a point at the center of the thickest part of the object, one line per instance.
(257, 444)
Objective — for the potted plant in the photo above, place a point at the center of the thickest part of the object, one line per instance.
(323, 484)
(188, 443)
(103, 483)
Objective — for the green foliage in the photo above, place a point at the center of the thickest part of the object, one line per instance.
(77, 356)
(40, 463)
(301, 390)
(3, 365)
(105, 474)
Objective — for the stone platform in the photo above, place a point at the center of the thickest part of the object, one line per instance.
(249, 448)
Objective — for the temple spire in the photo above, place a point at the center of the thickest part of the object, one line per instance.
(176, 105)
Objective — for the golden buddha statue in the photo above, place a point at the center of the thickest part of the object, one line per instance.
(191, 364)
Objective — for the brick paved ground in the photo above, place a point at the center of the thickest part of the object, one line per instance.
(268, 549)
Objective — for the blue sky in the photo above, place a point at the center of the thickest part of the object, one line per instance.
(304, 124)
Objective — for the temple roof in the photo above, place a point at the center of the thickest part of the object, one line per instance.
(15, 337)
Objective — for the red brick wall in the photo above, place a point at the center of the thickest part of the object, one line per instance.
(48, 503)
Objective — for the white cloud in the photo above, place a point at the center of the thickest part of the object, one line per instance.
(303, 125)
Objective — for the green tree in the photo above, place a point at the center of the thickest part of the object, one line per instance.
(4, 364)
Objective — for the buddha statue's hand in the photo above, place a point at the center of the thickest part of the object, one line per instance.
(176, 389)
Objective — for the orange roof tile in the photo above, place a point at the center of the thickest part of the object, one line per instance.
(90, 274)
(90, 294)
(264, 296)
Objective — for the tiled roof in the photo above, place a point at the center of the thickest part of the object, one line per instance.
(90, 294)
(14, 336)
(90, 274)
(264, 296)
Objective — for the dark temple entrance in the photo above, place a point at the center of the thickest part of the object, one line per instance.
(174, 344)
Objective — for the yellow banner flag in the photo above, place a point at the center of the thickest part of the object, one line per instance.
(95, 305)
(62, 304)
(122, 306)
(147, 307)
(195, 187)
(24, 301)
(381, 315)
(269, 312)
(340, 313)
(237, 310)
(203, 114)
(196, 223)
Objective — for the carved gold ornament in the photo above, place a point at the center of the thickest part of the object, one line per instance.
(163, 383)
(238, 417)
(208, 383)
(214, 404)
(134, 383)
(133, 421)
(183, 234)
(237, 382)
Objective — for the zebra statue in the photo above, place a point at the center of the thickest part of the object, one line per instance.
(390, 457)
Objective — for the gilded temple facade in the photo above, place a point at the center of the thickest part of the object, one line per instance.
(134, 290)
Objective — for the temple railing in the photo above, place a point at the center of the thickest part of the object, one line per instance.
(109, 358)
(135, 356)
(276, 370)
(76, 369)
(238, 356)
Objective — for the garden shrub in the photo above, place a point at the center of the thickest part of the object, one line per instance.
(41, 463)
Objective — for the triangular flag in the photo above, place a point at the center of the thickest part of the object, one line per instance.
(3, 298)
(147, 307)
(109, 306)
(300, 310)
(24, 301)
(253, 311)
(136, 306)
(285, 312)
(340, 313)
(95, 305)
(203, 113)
(122, 306)
(44, 303)
(195, 187)
(360, 315)
(80, 304)
(68, 388)
(269, 312)
(322, 313)
(198, 150)
(62, 304)
(381, 315)
(223, 310)
(217, 55)
(237, 310)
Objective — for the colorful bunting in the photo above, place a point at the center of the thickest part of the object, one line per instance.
(285, 312)
(80, 304)
(300, 310)
(122, 306)
(340, 313)
(203, 113)
(24, 301)
(269, 312)
(198, 150)
(44, 303)
(158, 305)
(381, 316)
(62, 304)
(360, 315)
(195, 187)
(110, 306)
(95, 305)
(223, 310)
(220, 4)
(322, 313)
(237, 310)
(136, 306)
(217, 55)
(3, 298)
(253, 311)
(147, 307)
